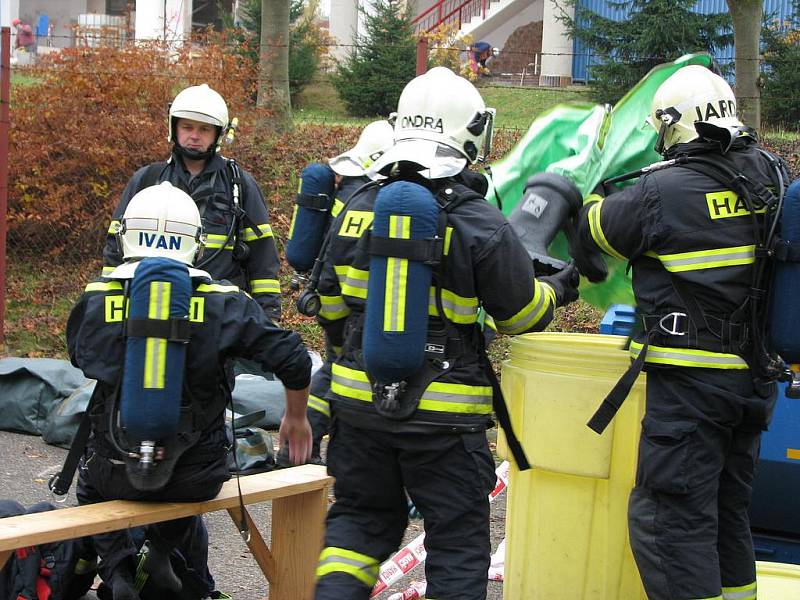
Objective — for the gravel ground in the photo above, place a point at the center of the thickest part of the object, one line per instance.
(28, 463)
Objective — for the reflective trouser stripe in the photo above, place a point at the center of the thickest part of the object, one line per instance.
(155, 355)
(741, 592)
(333, 308)
(320, 405)
(684, 357)
(354, 282)
(438, 397)
(596, 229)
(265, 286)
(339, 560)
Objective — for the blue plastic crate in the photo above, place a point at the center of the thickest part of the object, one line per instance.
(618, 320)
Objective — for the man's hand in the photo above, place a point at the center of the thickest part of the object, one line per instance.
(295, 429)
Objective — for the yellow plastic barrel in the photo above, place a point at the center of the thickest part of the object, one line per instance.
(566, 518)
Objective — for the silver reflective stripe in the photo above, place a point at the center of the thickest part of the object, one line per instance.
(456, 398)
(450, 306)
(352, 383)
(749, 593)
(530, 316)
(688, 356)
(339, 559)
(708, 259)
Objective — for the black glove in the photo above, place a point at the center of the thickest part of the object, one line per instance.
(564, 283)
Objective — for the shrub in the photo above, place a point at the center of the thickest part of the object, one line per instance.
(445, 49)
(383, 60)
(93, 118)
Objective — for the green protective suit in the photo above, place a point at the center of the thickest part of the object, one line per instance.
(588, 144)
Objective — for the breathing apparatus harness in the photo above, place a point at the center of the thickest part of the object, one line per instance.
(193, 418)
(746, 330)
(388, 398)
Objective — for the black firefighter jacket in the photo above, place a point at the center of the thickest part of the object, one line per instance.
(211, 189)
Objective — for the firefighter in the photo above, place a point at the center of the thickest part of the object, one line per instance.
(434, 446)
(350, 170)
(223, 323)
(690, 233)
(240, 246)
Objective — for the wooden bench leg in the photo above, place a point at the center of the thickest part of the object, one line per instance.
(256, 544)
(4, 556)
(297, 526)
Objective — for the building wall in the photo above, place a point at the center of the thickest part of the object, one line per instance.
(63, 15)
(151, 23)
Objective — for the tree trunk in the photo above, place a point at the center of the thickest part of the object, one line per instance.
(746, 16)
(273, 85)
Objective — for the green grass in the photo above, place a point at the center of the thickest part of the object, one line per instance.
(21, 78)
(783, 135)
(516, 107)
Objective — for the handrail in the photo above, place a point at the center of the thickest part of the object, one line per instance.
(445, 17)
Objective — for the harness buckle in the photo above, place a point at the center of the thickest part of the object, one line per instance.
(669, 323)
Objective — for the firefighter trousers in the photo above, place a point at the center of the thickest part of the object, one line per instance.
(448, 476)
(687, 515)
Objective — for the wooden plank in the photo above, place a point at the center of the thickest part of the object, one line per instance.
(4, 556)
(78, 521)
(297, 529)
(256, 544)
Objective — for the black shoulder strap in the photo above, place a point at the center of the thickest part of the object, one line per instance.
(152, 175)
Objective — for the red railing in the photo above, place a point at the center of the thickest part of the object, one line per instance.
(449, 12)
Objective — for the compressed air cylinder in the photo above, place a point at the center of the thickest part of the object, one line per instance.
(310, 219)
(547, 202)
(396, 319)
(152, 384)
(785, 291)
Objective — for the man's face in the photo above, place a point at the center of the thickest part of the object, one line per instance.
(195, 135)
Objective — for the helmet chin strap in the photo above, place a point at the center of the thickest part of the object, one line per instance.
(195, 154)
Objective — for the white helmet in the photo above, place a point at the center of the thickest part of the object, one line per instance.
(691, 101)
(199, 103)
(163, 221)
(442, 125)
(375, 139)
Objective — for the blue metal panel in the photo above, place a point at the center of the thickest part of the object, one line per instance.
(779, 11)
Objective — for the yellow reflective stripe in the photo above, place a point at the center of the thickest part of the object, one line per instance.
(107, 271)
(592, 198)
(439, 397)
(395, 289)
(337, 207)
(353, 281)
(706, 259)
(217, 288)
(262, 230)
(319, 404)
(265, 286)
(596, 230)
(155, 355)
(216, 240)
(543, 298)
(112, 228)
(741, 592)
(551, 293)
(458, 309)
(457, 397)
(333, 308)
(448, 236)
(291, 225)
(340, 560)
(350, 383)
(685, 357)
(103, 286)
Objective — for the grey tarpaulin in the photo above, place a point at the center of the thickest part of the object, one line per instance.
(47, 397)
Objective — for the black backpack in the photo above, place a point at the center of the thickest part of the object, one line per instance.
(58, 571)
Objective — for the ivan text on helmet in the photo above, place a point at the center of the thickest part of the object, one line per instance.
(422, 122)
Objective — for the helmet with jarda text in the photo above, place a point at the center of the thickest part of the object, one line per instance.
(693, 103)
(442, 125)
(161, 221)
